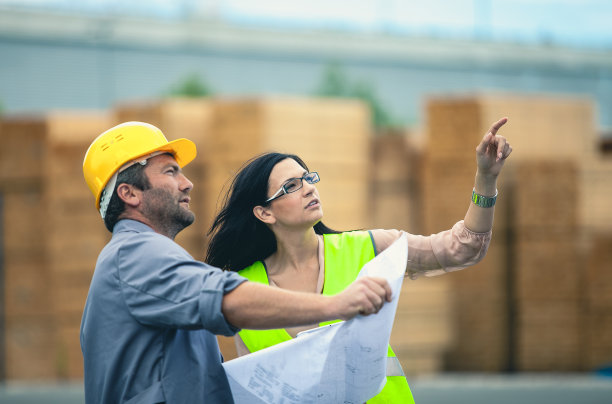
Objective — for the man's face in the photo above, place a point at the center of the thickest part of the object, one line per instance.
(166, 203)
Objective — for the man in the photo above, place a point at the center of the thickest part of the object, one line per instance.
(152, 312)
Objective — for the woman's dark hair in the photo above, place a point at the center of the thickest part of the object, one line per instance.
(133, 175)
(238, 238)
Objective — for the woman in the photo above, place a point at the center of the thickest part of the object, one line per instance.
(270, 230)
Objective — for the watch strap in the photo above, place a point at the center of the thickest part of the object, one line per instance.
(483, 201)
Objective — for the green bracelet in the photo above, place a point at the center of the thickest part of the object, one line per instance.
(483, 201)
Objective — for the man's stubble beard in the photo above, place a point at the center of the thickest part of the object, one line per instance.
(164, 209)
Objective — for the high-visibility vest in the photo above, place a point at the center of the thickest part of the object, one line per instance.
(345, 254)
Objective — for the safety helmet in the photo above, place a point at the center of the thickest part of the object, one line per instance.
(124, 144)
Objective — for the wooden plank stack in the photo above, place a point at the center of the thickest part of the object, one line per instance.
(479, 318)
(500, 300)
(394, 182)
(75, 231)
(189, 118)
(595, 193)
(596, 216)
(598, 302)
(421, 332)
(546, 274)
(553, 138)
(28, 350)
(52, 235)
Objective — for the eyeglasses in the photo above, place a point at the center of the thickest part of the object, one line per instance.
(294, 184)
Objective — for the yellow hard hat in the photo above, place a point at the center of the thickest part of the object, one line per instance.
(125, 143)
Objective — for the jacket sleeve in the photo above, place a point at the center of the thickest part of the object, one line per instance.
(447, 251)
(163, 286)
(458, 248)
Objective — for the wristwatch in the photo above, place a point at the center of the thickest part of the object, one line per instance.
(483, 201)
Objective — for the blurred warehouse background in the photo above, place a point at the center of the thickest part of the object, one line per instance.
(92, 54)
(386, 102)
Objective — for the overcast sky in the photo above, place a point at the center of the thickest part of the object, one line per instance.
(568, 22)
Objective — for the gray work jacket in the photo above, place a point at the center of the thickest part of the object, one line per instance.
(149, 323)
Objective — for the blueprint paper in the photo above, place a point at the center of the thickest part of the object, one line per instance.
(342, 362)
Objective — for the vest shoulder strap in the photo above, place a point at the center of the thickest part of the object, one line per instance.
(255, 273)
(256, 340)
(345, 254)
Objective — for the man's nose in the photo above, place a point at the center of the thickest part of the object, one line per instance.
(185, 184)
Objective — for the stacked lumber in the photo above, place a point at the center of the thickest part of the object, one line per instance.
(595, 216)
(75, 231)
(421, 332)
(546, 274)
(394, 182)
(28, 326)
(51, 236)
(553, 138)
(595, 195)
(478, 296)
(496, 312)
(598, 302)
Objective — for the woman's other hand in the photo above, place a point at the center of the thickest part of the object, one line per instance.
(492, 151)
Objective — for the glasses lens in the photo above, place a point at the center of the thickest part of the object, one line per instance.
(312, 178)
(293, 185)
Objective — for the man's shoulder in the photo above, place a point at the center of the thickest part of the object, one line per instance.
(131, 226)
(129, 229)
(131, 235)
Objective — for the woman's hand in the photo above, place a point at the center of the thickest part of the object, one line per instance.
(491, 154)
(492, 151)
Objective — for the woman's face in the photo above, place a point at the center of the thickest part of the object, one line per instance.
(298, 208)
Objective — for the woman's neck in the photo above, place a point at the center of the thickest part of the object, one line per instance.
(294, 251)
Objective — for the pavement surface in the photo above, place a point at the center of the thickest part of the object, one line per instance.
(447, 388)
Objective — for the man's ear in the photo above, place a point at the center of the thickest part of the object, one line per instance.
(264, 214)
(129, 194)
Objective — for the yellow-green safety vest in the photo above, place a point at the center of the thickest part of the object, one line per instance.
(345, 254)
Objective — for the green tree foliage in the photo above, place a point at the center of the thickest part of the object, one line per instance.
(190, 86)
(335, 83)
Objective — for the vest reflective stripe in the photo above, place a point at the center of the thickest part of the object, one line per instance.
(345, 254)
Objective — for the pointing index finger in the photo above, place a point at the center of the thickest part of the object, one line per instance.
(495, 127)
